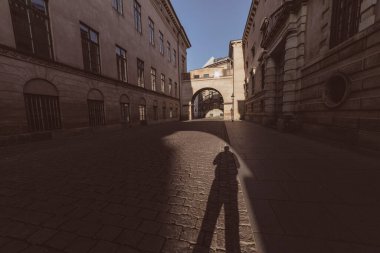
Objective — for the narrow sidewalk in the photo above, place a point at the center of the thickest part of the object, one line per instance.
(307, 196)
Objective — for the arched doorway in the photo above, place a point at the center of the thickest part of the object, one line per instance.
(207, 103)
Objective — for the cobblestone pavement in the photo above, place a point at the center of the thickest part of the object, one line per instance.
(138, 190)
(306, 196)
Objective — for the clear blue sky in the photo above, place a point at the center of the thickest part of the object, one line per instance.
(210, 25)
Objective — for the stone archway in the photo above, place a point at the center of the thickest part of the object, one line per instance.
(207, 103)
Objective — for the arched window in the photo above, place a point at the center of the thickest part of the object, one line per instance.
(95, 101)
(42, 106)
(125, 109)
(142, 110)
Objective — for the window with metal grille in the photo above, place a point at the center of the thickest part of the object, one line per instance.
(96, 113)
(31, 27)
(90, 48)
(345, 20)
(118, 5)
(142, 110)
(137, 16)
(42, 112)
(162, 83)
(140, 73)
(153, 78)
(125, 112)
(151, 32)
(122, 66)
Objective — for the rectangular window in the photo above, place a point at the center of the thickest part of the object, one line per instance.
(140, 73)
(170, 86)
(155, 113)
(137, 15)
(345, 20)
(118, 5)
(153, 78)
(164, 112)
(142, 113)
(96, 113)
(151, 32)
(90, 49)
(175, 57)
(175, 89)
(183, 64)
(162, 49)
(169, 52)
(42, 112)
(196, 76)
(171, 113)
(31, 27)
(125, 113)
(162, 83)
(121, 60)
(206, 75)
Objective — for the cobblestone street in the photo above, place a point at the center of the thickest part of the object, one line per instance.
(148, 189)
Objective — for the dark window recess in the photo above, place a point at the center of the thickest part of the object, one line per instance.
(140, 73)
(42, 112)
(121, 58)
(164, 112)
(345, 20)
(31, 27)
(137, 16)
(90, 48)
(118, 5)
(96, 113)
(142, 113)
(125, 113)
(263, 74)
(155, 113)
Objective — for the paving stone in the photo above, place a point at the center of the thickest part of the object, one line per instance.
(151, 243)
(102, 247)
(61, 240)
(41, 236)
(81, 244)
(108, 233)
(14, 246)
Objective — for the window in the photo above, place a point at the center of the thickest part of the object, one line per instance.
(142, 113)
(175, 57)
(125, 112)
(121, 60)
(42, 112)
(175, 89)
(153, 77)
(183, 64)
(263, 75)
(345, 20)
(155, 112)
(253, 82)
(253, 51)
(206, 75)
(162, 49)
(90, 49)
(164, 112)
(137, 15)
(171, 113)
(162, 83)
(96, 112)
(140, 73)
(118, 5)
(176, 112)
(196, 76)
(169, 52)
(31, 27)
(170, 86)
(151, 32)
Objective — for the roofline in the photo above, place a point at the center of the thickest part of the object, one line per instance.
(181, 28)
(251, 14)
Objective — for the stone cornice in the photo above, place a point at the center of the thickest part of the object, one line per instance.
(15, 54)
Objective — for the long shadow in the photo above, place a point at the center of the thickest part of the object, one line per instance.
(224, 191)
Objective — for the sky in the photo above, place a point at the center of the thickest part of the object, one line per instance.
(210, 26)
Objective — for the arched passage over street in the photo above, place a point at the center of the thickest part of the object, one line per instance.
(207, 103)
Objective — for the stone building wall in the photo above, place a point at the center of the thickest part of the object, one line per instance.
(66, 72)
(304, 73)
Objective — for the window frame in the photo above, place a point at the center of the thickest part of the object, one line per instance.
(118, 6)
(153, 78)
(163, 83)
(140, 73)
(137, 16)
(162, 46)
(151, 32)
(90, 45)
(120, 58)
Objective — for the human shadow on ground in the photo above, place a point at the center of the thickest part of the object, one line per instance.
(223, 192)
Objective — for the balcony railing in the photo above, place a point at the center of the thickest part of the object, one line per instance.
(223, 73)
(277, 21)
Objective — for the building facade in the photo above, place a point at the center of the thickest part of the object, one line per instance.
(314, 65)
(89, 64)
(222, 77)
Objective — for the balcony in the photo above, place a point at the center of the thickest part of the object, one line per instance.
(275, 23)
(220, 74)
